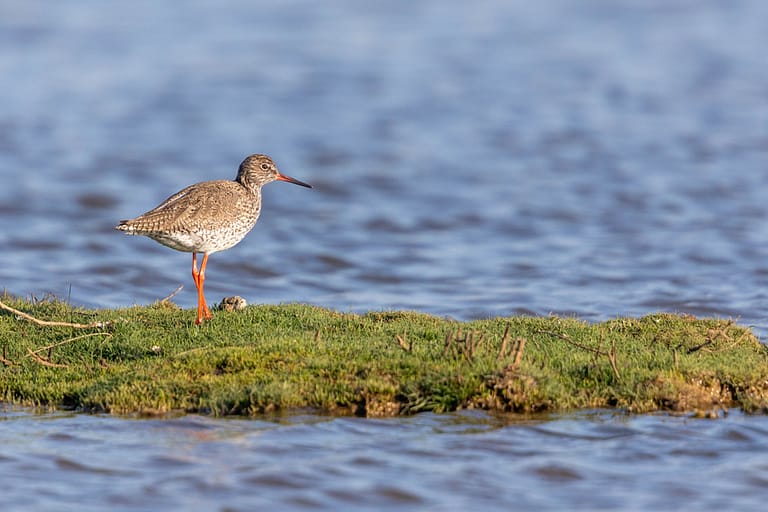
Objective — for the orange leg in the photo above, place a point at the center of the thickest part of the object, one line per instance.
(195, 273)
(206, 311)
(199, 279)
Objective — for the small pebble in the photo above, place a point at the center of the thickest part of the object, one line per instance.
(235, 303)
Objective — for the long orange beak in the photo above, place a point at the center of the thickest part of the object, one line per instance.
(283, 177)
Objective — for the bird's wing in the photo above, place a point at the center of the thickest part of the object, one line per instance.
(188, 207)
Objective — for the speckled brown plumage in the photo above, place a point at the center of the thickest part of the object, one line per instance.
(210, 216)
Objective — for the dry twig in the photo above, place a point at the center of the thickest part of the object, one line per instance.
(69, 340)
(464, 345)
(172, 294)
(4, 360)
(46, 323)
(33, 354)
(504, 342)
(407, 346)
(520, 342)
(517, 348)
(713, 335)
(44, 362)
(612, 359)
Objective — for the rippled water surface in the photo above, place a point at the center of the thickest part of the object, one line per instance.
(467, 461)
(596, 158)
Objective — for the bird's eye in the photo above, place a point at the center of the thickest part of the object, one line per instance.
(265, 167)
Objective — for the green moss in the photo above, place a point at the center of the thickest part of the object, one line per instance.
(154, 360)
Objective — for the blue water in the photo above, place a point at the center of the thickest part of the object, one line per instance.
(594, 158)
(504, 157)
(468, 461)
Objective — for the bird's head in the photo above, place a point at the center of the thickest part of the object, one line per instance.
(258, 170)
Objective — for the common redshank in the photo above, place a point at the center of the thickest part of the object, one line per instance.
(209, 217)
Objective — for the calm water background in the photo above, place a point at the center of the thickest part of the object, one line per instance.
(595, 158)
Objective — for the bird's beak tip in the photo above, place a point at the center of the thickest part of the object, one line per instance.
(283, 177)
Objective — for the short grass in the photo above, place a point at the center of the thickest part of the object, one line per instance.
(153, 360)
